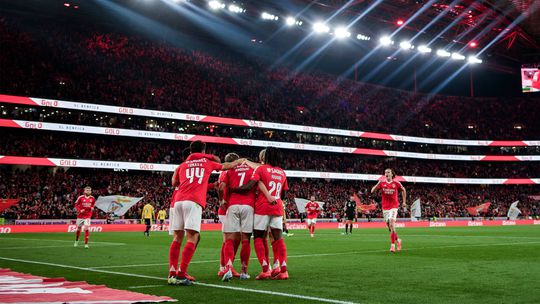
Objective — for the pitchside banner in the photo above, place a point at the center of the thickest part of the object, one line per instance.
(117, 204)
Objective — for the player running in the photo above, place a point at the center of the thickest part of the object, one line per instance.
(191, 178)
(238, 224)
(390, 204)
(85, 207)
(312, 209)
(147, 215)
(272, 184)
(161, 216)
(350, 214)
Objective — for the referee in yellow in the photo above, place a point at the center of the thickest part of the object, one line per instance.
(148, 215)
(161, 215)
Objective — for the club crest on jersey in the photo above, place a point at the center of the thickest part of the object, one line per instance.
(393, 185)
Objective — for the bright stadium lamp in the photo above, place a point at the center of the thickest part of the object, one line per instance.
(474, 60)
(405, 45)
(290, 21)
(215, 5)
(268, 16)
(457, 56)
(385, 41)
(443, 53)
(236, 9)
(424, 49)
(320, 27)
(342, 32)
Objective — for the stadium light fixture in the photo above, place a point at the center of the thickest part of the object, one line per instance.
(236, 9)
(290, 21)
(424, 49)
(474, 60)
(443, 53)
(363, 37)
(457, 56)
(400, 22)
(320, 27)
(405, 45)
(473, 44)
(386, 41)
(268, 16)
(216, 5)
(342, 32)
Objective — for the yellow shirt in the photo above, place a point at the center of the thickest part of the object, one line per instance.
(148, 212)
(162, 214)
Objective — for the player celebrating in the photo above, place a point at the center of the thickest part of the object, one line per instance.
(84, 206)
(312, 210)
(350, 214)
(238, 224)
(191, 178)
(272, 184)
(161, 216)
(147, 215)
(390, 204)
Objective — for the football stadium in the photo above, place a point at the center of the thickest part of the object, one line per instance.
(257, 151)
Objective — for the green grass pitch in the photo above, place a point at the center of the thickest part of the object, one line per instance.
(438, 265)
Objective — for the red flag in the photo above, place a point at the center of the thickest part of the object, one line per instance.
(8, 202)
(476, 210)
(357, 199)
(367, 208)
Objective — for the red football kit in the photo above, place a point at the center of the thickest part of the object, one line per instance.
(312, 210)
(237, 177)
(275, 180)
(193, 175)
(222, 210)
(389, 194)
(84, 206)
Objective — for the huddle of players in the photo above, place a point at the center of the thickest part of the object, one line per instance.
(250, 198)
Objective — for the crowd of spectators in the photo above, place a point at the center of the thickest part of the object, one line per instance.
(88, 64)
(200, 128)
(50, 194)
(79, 146)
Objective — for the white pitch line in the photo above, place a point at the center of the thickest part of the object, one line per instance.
(325, 254)
(145, 286)
(53, 240)
(38, 247)
(266, 292)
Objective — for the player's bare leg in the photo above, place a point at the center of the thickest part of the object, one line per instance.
(281, 251)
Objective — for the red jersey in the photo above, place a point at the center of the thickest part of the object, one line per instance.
(85, 206)
(237, 177)
(312, 210)
(275, 180)
(222, 210)
(389, 194)
(193, 175)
